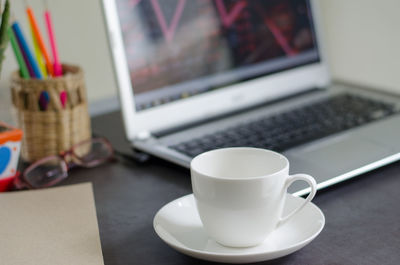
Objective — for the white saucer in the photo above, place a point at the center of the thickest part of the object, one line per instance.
(178, 224)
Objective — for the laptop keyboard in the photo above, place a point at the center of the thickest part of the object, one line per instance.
(295, 127)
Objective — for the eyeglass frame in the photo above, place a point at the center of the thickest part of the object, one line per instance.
(21, 181)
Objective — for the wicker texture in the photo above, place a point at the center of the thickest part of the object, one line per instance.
(55, 130)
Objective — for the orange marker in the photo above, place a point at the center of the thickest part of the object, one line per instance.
(39, 40)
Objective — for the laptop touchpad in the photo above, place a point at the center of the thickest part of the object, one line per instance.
(343, 153)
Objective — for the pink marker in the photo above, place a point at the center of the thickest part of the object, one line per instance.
(49, 24)
(63, 98)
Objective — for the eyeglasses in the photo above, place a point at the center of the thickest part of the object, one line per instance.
(51, 170)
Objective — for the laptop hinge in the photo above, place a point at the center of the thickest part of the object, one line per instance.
(143, 135)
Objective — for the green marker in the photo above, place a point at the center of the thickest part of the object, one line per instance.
(18, 55)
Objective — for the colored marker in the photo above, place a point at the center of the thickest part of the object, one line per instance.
(39, 40)
(53, 44)
(25, 57)
(63, 98)
(44, 100)
(38, 54)
(18, 55)
(24, 46)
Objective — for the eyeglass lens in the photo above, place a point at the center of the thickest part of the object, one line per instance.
(47, 172)
(92, 153)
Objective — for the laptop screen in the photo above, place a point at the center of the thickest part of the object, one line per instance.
(181, 48)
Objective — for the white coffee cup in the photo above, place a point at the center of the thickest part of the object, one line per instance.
(240, 193)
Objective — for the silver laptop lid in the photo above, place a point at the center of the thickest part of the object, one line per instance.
(177, 61)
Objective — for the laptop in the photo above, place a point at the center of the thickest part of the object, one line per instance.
(204, 74)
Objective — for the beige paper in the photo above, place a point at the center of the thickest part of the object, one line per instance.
(54, 226)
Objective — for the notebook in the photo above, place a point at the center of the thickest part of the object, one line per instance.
(50, 226)
(204, 74)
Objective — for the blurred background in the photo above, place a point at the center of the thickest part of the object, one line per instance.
(362, 41)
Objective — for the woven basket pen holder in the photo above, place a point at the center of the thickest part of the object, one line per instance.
(57, 128)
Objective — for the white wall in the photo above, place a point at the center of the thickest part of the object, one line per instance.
(363, 41)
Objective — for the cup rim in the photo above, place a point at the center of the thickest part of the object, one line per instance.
(192, 167)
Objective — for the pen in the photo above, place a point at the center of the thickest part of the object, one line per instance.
(24, 46)
(38, 54)
(57, 65)
(50, 31)
(18, 55)
(63, 98)
(44, 100)
(39, 39)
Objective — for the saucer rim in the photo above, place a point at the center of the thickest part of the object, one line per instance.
(288, 250)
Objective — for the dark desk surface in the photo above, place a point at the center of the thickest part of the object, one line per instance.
(362, 215)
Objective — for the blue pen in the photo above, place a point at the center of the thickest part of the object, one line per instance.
(20, 36)
(44, 100)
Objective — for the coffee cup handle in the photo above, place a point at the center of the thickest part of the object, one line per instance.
(313, 185)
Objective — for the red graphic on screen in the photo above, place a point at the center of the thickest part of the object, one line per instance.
(229, 18)
(280, 38)
(133, 3)
(168, 31)
(170, 42)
